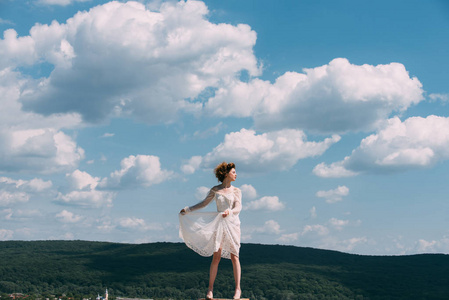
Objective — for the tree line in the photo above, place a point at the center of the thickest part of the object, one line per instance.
(81, 269)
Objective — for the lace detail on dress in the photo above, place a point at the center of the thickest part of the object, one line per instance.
(207, 232)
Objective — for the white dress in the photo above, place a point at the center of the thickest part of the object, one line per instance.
(207, 232)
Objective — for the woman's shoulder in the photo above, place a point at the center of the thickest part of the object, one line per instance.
(215, 188)
(237, 191)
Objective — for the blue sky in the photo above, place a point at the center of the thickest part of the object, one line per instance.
(335, 113)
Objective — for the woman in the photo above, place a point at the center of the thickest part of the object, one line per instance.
(216, 233)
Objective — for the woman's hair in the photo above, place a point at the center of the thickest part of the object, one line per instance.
(222, 170)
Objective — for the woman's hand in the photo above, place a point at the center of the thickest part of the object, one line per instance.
(225, 213)
(185, 210)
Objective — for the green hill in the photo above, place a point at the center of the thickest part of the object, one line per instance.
(170, 270)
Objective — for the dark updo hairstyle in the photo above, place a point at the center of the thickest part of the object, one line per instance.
(222, 170)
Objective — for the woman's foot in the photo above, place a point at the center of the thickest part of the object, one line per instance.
(237, 294)
(209, 295)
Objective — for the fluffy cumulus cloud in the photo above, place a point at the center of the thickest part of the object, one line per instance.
(87, 198)
(89, 191)
(248, 191)
(43, 150)
(348, 97)
(433, 246)
(328, 235)
(121, 59)
(140, 170)
(315, 229)
(269, 227)
(288, 237)
(334, 195)
(338, 224)
(68, 217)
(83, 191)
(191, 165)
(33, 185)
(266, 152)
(30, 142)
(270, 203)
(80, 180)
(415, 143)
(10, 198)
(134, 223)
(14, 191)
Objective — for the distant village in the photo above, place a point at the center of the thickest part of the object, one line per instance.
(21, 296)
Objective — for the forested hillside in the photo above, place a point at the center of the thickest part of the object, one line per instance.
(170, 270)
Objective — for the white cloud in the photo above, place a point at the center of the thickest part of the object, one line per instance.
(313, 213)
(272, 151)
(21, 214)
(426, 246)
(89, 191)
(80, 180)
(59, 2)
(4, 21)
(66, 236)
(269, 227)
(26, 231)
(8, 198)
(68, 217)
(433, 246)
(138, 224)
(87, 198)
(349, 97)
(6, 234)
(33, 185)
(209, 132)
(334, 170)
(192, 165)
(140, 170)
(248, 191)
(415, 143)
(30, 142)
(288, 237)
(39, 185)
(83, 191)
(318, 229)
(201, 192)
(334, 195)
(107, 135)
(439, 97)
(105, 224)
(125, 60)
(40, 150)
(8, 212)
(270, 203)
(338, 224)
(347, 245)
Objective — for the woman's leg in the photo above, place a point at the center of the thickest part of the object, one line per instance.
(213, 269)
(237, 274)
